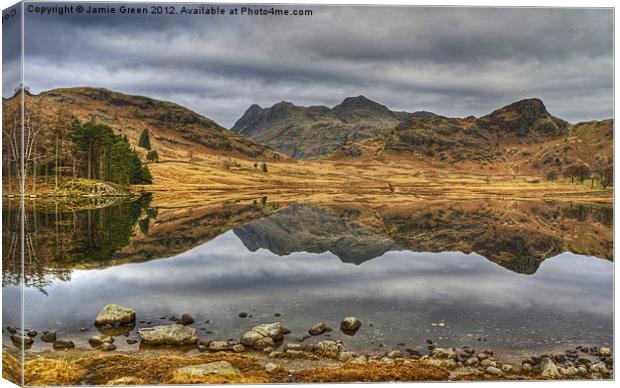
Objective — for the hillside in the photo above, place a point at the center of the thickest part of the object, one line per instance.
(307, 132)
(175, 132)
(520, 138)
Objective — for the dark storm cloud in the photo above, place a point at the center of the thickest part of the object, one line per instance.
(453, 61)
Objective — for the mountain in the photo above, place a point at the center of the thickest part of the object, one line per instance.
(307, 132)
(520, 138)
(175, 131)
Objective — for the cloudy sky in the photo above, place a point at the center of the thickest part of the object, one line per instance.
(452, 61)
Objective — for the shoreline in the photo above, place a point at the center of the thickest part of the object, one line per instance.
(268, 353)
(294, 364)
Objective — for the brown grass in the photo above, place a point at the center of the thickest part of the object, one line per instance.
(11, 368)
(85, 367)
(418, 371)
(45, 372)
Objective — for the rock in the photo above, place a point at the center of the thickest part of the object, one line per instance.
(291, 346)
(18, 340)
(276, 354)
(318, 329)
(395, 354)
(526, 367)
(277, 315)
(350, 325)
(243, 314)
(83, 329)
(108, 346)
(414, 352)
(302, 338)
(494, 371)
(131, 341)
(238, 348)
(48, 336)
(359, 360)
(582, 370)
(219, 346)
(443, 362)
(444, 353)
(487, 362)
(187, 319)
(262, 336)
(11, 330)
(600, 368)
(387, 360)
(329, 348)
(99, 340)
(346, 356)
(32, 333)
(126, 380)
(168, 335)
(548, 369)
(114, 314)
(569, 371)
(294, 353)
(473, 361)
(483, 356)
(507, 368)
(270, 367)
(63, 344)
(604, 352)
(218, 367)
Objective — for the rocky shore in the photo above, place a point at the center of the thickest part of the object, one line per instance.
(279, 358)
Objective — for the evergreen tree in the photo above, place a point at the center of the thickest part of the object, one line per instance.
(145, 141)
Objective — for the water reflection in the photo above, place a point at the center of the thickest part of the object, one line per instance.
(399, 267)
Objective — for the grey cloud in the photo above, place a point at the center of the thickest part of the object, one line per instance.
(454, 61)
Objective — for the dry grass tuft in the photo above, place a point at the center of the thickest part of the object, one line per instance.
(11, 368)
(45, 372)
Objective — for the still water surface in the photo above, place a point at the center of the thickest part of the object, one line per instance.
(403, 297)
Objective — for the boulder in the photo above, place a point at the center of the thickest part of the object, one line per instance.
(318, 329)
(548, 368)
(168, 335)
(115, 314)
(218, 367)
(604, 352)
(350, 324)
(264, 335)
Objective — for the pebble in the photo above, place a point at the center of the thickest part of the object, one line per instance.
(243, 314)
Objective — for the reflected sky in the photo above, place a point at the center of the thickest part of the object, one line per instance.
(568, 300)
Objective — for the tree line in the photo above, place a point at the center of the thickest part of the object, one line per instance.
(58, 146)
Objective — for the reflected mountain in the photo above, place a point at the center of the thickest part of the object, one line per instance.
(305, 228)
(518, 236)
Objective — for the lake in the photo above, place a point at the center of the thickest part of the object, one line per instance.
(516, 277)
